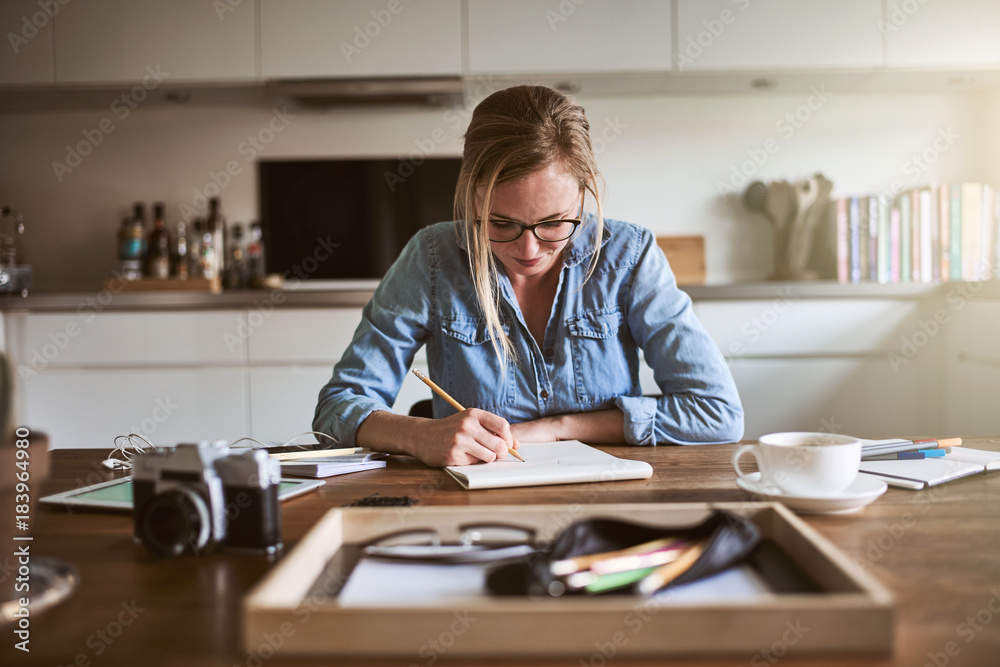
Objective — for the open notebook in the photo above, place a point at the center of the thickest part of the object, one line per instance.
(565, 462)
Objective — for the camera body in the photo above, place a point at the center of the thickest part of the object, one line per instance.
(199, 496)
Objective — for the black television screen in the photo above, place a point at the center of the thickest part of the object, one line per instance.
(367, 208)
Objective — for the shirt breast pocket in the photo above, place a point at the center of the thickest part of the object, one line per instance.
(602, 369)
(473, 375)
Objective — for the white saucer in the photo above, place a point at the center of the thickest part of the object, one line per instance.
(861, 492)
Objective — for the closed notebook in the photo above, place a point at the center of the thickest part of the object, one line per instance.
(921, 473)
(565, 462)
(328, 466)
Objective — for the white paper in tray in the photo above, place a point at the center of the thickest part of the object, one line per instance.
(380, 583)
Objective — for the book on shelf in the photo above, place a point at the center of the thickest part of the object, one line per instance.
(955, 229)
(843, 241)
(934, 233)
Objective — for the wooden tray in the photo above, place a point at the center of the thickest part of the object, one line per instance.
(848, 611)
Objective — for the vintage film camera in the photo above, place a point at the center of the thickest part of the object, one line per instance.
(195, 497)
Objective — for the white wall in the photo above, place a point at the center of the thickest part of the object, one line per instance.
(663, 159)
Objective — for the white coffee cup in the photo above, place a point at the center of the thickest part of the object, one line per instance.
(802, 463)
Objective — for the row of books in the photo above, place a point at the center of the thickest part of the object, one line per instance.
(935, 233)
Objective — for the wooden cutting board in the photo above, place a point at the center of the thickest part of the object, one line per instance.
(686, 255)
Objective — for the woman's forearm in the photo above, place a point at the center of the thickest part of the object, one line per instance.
(600, 426)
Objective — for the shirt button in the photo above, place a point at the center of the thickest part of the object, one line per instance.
(549, 352)
(545, 394)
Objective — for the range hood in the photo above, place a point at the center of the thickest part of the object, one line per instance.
(319, 93)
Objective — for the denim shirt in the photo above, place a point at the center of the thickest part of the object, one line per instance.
(589, 359)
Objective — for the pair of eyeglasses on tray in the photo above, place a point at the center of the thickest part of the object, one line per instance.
(476, 543)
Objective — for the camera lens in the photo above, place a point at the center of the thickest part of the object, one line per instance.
(175, 522)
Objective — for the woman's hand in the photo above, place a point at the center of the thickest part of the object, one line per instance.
(464, 438)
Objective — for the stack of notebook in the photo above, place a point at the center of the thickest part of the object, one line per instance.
(942, 461)
(320, 465)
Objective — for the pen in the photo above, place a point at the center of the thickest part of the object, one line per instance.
(903, 456)
(895, 446)
(664, 574)
(580, 563)
(455, 404)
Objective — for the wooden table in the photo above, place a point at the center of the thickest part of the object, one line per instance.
(937, 550)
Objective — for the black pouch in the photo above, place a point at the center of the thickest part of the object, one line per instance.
(728, 539)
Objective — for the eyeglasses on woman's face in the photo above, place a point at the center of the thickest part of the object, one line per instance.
(502, 230)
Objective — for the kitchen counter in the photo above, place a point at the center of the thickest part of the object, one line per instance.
(356, 294)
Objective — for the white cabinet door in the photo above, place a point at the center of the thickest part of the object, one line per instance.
(43, 341)
(530, 37)
(299, 335)
(27, 55)
(865, 398)
(283, 399)
(180, 40)
(957, 33)
(777, 34)
(351, 38)
(786, 326)
(87, 408)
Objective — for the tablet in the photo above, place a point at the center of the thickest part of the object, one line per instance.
(117, 494)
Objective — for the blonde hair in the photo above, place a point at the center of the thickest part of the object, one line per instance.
(515, 132)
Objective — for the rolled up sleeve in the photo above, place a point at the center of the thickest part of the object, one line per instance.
(699, 402)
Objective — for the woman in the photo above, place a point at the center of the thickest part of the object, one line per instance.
(533, 312)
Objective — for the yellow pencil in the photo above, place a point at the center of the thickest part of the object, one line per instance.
(455, 404)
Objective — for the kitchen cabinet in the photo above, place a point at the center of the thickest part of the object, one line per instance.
(27, 56)
(317, 38)
(740, 35)
(86, 377)
(958, 33)
(597, 36)
(875, 364)
(114, 41)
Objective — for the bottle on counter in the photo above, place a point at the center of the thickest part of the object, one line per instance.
(209, 260)
(255, 256)
(195, 249)
(236, 266)
(132, 244)
(158, 246)
(216, 227)
(181, 260)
